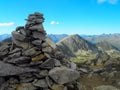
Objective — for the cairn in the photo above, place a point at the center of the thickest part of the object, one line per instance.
(32, 61)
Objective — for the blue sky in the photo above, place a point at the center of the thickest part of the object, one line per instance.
(63, 16)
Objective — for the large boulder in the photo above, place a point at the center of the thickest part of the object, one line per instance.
(62, 75)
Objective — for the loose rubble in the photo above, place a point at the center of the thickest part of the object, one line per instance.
(32, 62)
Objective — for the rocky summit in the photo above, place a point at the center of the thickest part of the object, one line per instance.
(32, 61)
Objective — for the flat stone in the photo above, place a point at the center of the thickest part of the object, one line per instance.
(31, 52)
(18, 36)
(39, 21)
(48, 64)
(19, 28)
(62, 75)
(19, 60)
(84, 70)
(2, 80)
(15, 50)
(44, 45)
(50, 43)
(38, 35)
(8, 69)
(47, 55)
(25, 86)
(24, 45)
(49, 81)
(23, 32)
(43, 73)
(37, 27)
(12, 80)
(40, 83)
(73, 66)
(37, 42)
(4, 47)
(15, 55)
(57, 63)
(98, 70)
(31, 17)
(4, 53)
(26, 80)
(57, 87)
(47, 50)
(39, 57)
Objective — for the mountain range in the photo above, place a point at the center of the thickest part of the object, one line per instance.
(111, 39)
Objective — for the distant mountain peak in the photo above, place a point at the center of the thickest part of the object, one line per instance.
(74, 43)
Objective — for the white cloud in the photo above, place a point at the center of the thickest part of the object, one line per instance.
(54, 22)
(6, 24)
(107, 1)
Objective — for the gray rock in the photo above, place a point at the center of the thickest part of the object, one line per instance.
(112, 74)
(47, 50)
(43, 73)
(57, 87)
(62, 75)
(4, 47)
(15, 50)
(18, 36)
(50, 43)
(19, 60)
(31, 52)
(83, 70)
(8, 69)
(4, 50)
(47, 55)
(38, 35)
(40, 83)
(37, 27)
(23, 32)
(44, 45)
(57, 63)
(31, 17)
(105, 87)
(26, 80)
(98, 70)
(48, 64)
(19, 28)
(4, 53)
(13, 81)
(79, 86)
(15, 55)
(49, 82)
(37, 42)
(4, 86)
(73, 66)
(118, 83)
(24, 45)
(38, 21)
(26, 86)
(2, 80)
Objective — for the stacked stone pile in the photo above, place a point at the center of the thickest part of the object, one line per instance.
(32, 62)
